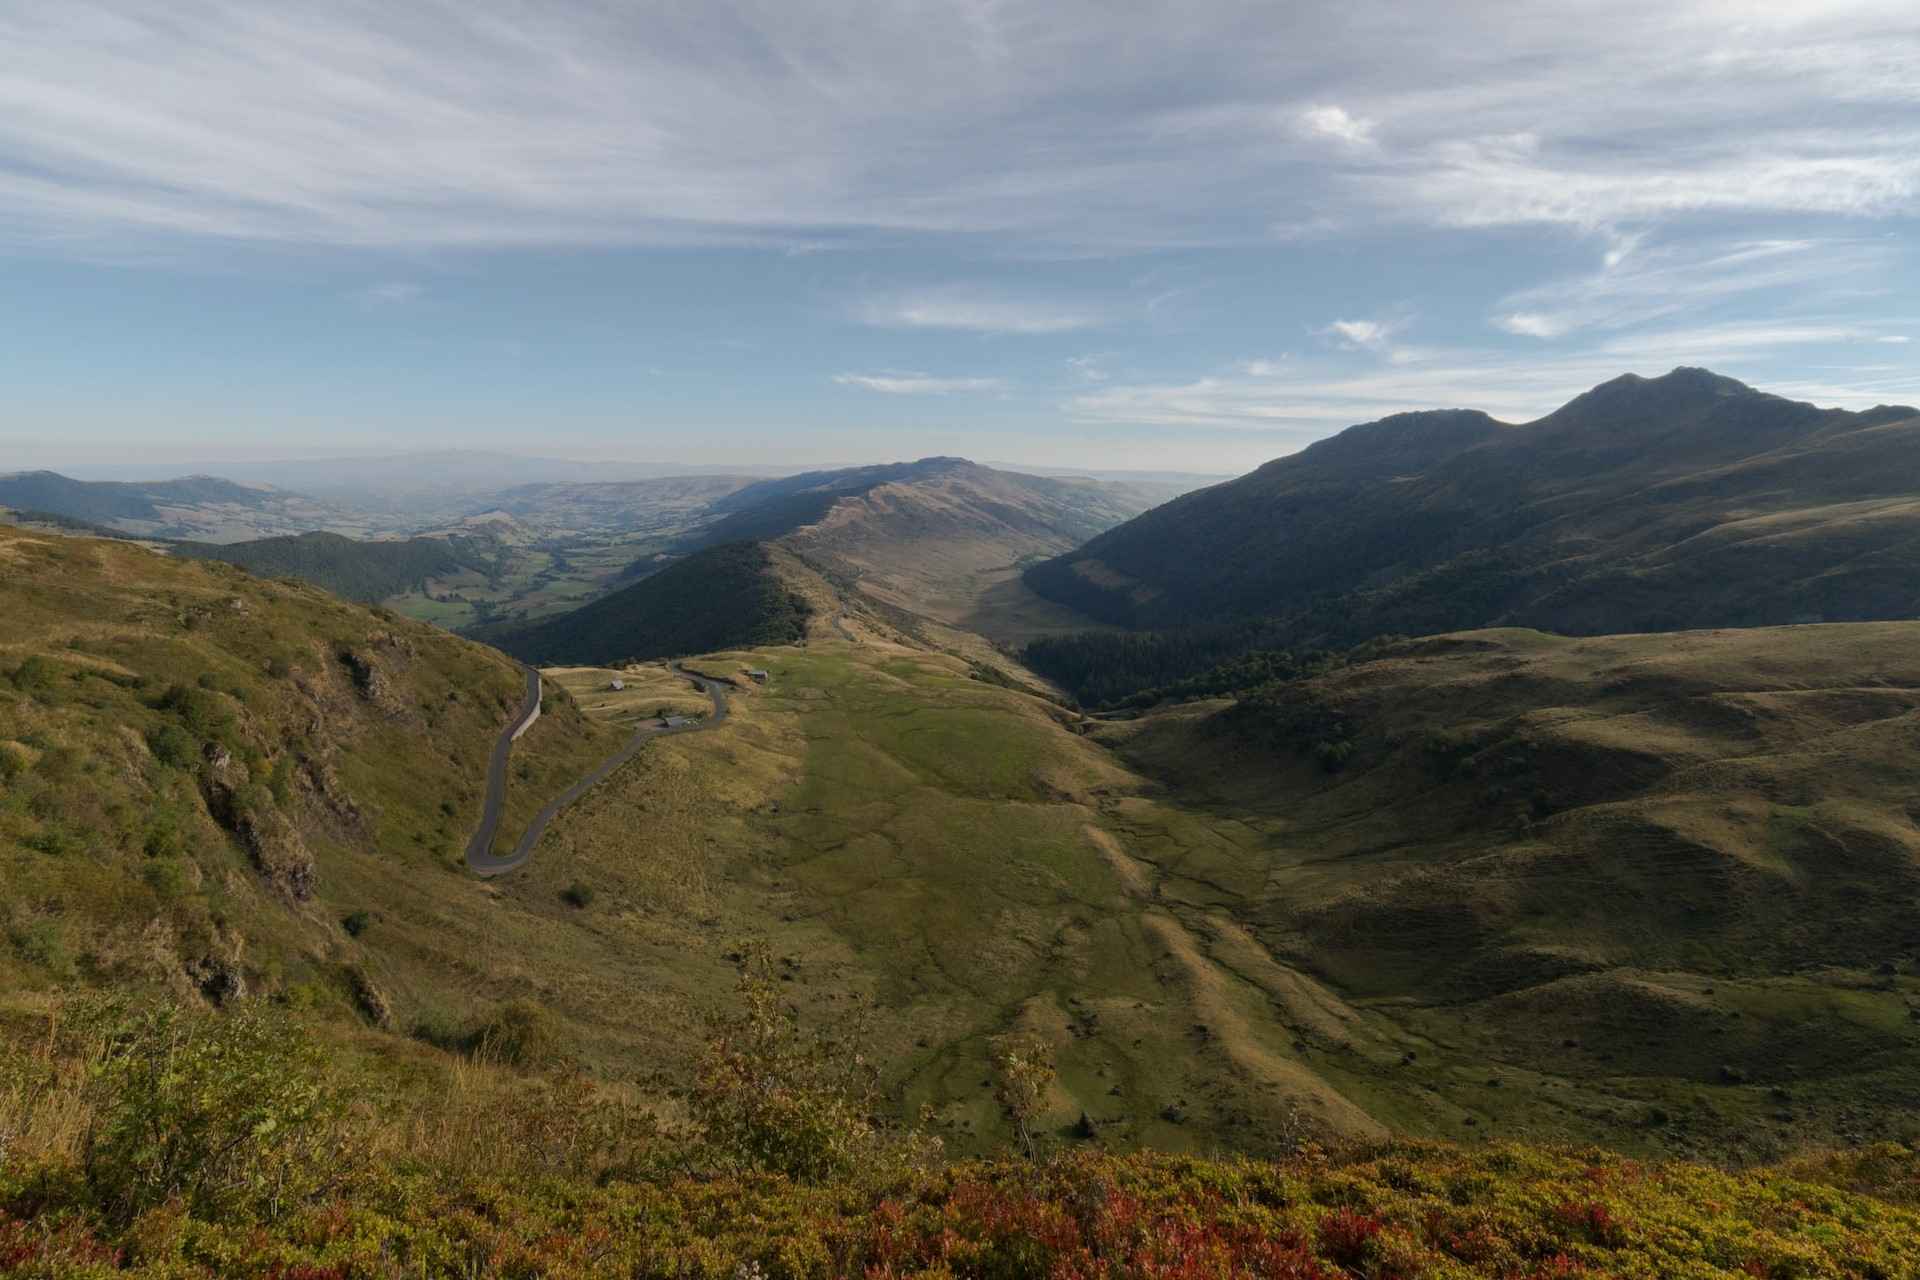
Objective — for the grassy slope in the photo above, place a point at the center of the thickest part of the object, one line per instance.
(1255, 952)
(726, 595)
(1244, 958)
(1654, 889)
(354, 570)
(117, 866)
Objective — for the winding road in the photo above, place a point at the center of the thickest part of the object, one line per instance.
(480, 856)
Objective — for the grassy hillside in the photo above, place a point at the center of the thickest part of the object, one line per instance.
(723, 597)
(1679, 502)
(352, 569)
(203, 774)
(1664, 883)
(936, 872)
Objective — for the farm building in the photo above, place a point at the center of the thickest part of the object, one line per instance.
(757, 675)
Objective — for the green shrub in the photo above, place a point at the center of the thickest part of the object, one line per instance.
(228, 1113)
(44, 943)
(55, 842)
(578, 894)
(772, 1097)
(164, 838)
(280, 781)
(174, 746)
(35, 675)
(167, 877)
(519, 1033)
(356, 923)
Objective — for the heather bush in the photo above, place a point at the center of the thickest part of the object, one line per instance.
(230, 1114)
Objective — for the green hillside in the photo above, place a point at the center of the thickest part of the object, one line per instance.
(724, 597)
(348, 567)
(1679, 502)
(202, 774)
(1664, 882)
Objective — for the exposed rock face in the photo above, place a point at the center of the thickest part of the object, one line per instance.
(370, 680)
(219, 980)
(278, 850)
(372, 1001)
(217, 975)
(269, 837)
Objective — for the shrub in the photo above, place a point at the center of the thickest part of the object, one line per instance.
(172, 745)
(1023, 1072)
(578, 894)
(44, 943)
(769, 1096)
(167, 877)
(164, 838)
(35, 675)
(230, 1114)
(356, 923)
(55, 842)
(519, 1033)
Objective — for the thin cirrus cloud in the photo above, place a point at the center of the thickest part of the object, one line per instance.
(970, 313)
(1301, 400)
(1656, 283)
(753, 121)
(917, 384)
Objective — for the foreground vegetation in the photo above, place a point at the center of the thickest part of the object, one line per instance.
(172, 1143)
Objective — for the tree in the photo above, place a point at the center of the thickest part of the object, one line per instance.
(1023, 1072)
(774, 1097)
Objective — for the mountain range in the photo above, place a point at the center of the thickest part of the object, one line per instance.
(1688, 500)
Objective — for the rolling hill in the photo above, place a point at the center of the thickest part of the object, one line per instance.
(353, 570)
(721, 598)
(1684, 501)
(942, 538)
(1666, 881)
(662, 506)
(204, 508)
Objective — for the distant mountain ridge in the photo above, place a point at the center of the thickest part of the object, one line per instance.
(922, 536)
(206, 508)
(1688, 500)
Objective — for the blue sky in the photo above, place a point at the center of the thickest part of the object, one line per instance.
(1190, 235)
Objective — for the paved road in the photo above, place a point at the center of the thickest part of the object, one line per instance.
(491, 807)
(480, 856)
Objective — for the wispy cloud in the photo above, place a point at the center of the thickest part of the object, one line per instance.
(916, 384)
(493, 122)
(1337, 123)
(1301, 400)
(975, 313)
(1361, 335)
(1666, 281)
(389, 293)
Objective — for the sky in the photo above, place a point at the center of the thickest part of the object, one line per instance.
(1181, 236)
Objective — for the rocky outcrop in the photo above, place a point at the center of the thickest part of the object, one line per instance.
(249, 813)
(371, 1000)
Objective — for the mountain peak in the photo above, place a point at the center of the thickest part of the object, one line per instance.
(1683, 389)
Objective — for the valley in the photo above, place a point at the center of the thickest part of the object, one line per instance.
(1498, 890)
